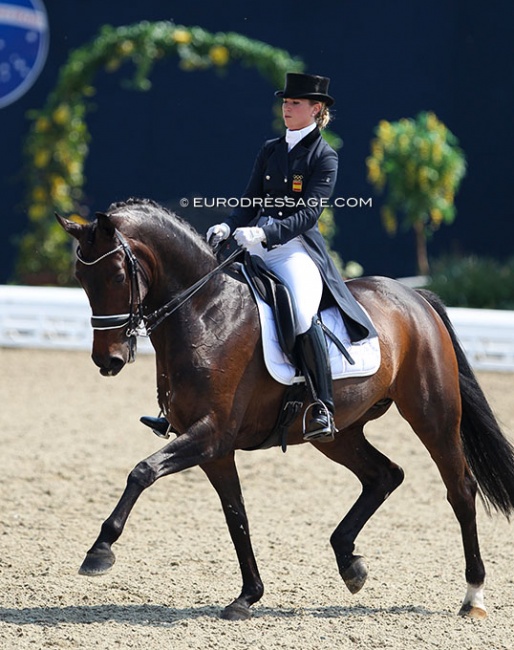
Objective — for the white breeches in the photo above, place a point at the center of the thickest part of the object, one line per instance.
(293, 265)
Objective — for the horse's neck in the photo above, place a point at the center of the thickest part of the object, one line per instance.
(180, 259)
(186, 262)
(178, 269)
(183, 259)
(194, 339)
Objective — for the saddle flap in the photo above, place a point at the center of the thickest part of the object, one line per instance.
(275, 294)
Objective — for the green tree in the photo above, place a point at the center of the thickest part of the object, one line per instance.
(419, 165)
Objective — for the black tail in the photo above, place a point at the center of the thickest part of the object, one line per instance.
(488, 452)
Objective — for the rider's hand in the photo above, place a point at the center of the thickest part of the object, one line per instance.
(246, 237)
(216, 234)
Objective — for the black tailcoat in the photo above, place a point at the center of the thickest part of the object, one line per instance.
(293, 188)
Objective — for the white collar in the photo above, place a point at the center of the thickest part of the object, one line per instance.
(294, 137)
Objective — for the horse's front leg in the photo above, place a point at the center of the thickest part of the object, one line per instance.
(188, 450)
(223, 476)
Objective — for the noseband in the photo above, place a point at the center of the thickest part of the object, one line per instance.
(135, 319)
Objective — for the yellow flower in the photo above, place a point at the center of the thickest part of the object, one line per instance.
(441, 130)
(126, 48)
(449, 196)
(112, 65)
(39, 194)
(423, 176)
(388, 219)
(377, 150)
(42, 125)
(374, 173)
(37, 211)
(403, 143)
(432, 122)
(59, 189)
(42, 158)
(424, 149)
(74, 168)
(182, 36)
(385, 132)
(437, 152)
(62, 114)
(353, 269)
(447, 181)
(437, 216)
(219, 55)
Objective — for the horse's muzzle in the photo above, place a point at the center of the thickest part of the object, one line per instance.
(111, 356)
(109, 366)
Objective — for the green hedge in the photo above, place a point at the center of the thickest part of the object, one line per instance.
(473, 281)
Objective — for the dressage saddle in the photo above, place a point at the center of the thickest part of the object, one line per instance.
(272, 290)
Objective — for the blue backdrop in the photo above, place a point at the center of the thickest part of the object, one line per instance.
(197, 133)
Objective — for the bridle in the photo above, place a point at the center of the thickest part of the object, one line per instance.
(134, 318)
(137, 322)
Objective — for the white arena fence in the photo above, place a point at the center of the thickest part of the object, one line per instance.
(57, 318)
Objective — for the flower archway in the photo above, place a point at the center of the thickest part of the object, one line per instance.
(58, 140)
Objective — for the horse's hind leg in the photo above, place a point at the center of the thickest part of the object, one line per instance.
(461, 493)
(438, 427)
(379, 477)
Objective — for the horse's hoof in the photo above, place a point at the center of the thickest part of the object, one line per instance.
(97, 563)
(355, 574)
(472, 611)
(236, 612)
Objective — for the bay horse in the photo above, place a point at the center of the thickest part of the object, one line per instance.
(139, 263)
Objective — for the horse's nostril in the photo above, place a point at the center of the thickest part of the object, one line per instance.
(109, 366)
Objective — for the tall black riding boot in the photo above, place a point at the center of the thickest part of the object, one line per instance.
(160, 426)
(316, 364)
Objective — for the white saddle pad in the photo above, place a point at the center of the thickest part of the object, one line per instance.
(365, 353)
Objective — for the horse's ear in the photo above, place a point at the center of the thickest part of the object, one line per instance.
(72, 228)
(105, 224)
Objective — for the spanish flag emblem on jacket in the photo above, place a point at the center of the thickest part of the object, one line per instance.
(297, 182)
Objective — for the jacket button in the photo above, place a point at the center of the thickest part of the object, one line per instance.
(285, 179)
(280, 214)
(268, 177)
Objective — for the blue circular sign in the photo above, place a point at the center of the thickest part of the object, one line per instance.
(24, 37)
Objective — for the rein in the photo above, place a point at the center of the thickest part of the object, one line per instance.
(135, 318)
(154, 319)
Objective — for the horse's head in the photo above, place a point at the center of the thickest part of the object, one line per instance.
(106, 269)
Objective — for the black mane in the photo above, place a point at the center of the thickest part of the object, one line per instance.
(136, 201)
(144, 209)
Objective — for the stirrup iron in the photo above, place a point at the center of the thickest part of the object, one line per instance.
(324, 434)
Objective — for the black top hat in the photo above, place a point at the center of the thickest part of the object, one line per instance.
(306, 86)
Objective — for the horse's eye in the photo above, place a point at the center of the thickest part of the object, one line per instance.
(120, 277)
